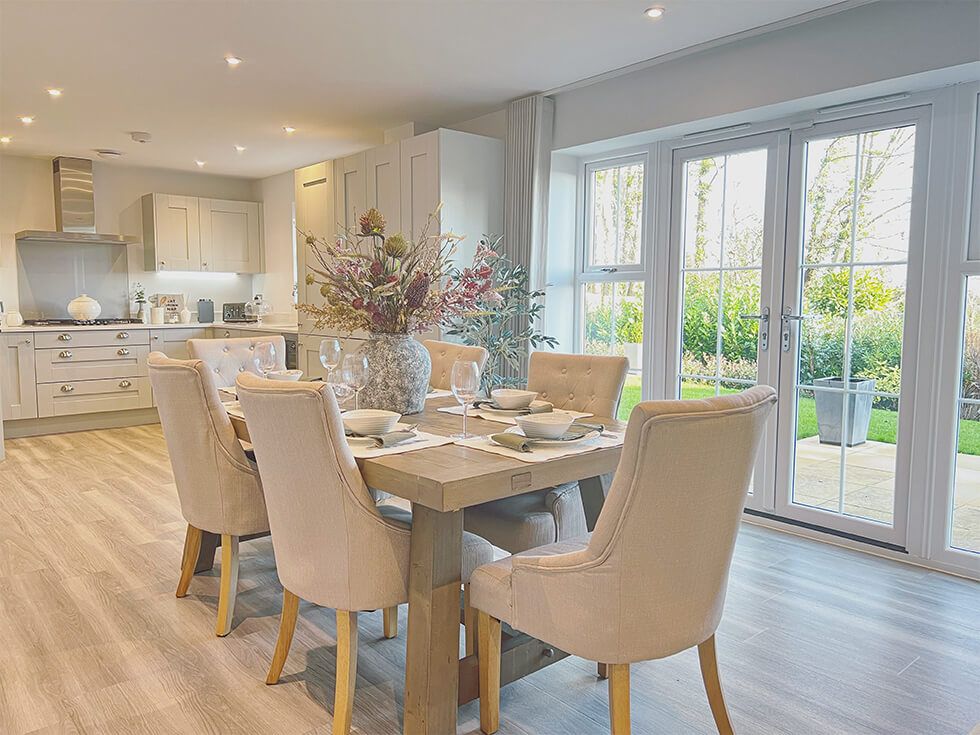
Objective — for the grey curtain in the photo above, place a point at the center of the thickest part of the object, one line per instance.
(527, 171)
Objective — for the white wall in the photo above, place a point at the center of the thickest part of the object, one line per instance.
(277, 194)
(493, 124)
(868, 44)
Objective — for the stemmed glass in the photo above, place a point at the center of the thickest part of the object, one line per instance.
(330, 354)
(340, 389)
(355, 373)
(264, 356)
(465, 382)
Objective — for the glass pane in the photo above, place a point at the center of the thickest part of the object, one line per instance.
(699, 347)
(704, 208)
(818, 465)
(741, 294)
(829, 206)
(693, 388)
(614, 326)
(965, 531)
(617, 215)
(884, 206)
(870, 457)
(822, 334)
(745, 208)
(877, 322)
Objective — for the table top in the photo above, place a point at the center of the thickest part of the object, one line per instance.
(452, 477)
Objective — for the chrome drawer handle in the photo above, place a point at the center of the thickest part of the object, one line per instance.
(122, 335)
(122, 352)
(65, 354)
(125, 384)
(67, 388)
(64, 337)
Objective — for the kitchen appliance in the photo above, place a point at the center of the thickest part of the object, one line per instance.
(235, 312)
(292, 351)
(205, 311)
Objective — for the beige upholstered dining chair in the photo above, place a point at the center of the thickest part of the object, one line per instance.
(218, 486)
(586, 383)
(227, 358)
(334, 545)
(651, 580)
(444, 354)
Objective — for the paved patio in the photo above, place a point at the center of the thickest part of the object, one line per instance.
(870, 483)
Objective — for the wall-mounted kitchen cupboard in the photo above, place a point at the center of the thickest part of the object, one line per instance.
(182, 233)
(405, 180)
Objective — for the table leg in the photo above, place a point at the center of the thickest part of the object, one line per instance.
(432, 651)
(592, 499)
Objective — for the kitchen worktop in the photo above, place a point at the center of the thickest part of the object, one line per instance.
(244, 326)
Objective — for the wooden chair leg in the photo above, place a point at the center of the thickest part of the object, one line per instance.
(343, 701)
(619, 698)
(489, 656)
(192, 547)
(229, 584)
(391, 622)
(469, 623)
(602, 670)
(712, 686)
(287, 624)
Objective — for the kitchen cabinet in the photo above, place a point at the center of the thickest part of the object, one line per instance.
(181, 233)
(350, 190)
(18, 388)
(314, 216)
(93, 396)
(87, 363)
(173, 342)
(383, 167)
(419, 182)
(308, 354)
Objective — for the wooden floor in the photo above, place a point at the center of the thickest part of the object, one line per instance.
(815, 639)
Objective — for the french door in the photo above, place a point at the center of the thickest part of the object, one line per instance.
(795, 263)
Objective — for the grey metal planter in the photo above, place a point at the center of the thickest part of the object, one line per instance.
(830, 410)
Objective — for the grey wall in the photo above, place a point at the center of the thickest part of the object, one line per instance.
(49, 275)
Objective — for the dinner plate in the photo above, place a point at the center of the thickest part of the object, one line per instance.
(367, 441)
(557, 442)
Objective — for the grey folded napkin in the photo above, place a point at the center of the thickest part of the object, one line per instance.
(521, 443)
(535, 407)
(392, 438)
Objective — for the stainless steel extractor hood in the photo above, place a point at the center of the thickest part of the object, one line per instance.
(74, 207)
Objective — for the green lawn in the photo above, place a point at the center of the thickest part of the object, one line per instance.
(883, 427)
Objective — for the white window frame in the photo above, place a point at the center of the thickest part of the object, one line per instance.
(614, 270)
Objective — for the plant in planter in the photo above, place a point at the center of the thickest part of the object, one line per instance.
(506, 327)
(139, 296)
(393, 288)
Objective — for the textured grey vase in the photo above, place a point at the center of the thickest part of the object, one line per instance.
(398, 373)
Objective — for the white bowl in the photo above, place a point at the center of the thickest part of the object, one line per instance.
(512, 399)
(545, 425)
(284, 374)
(369, 421)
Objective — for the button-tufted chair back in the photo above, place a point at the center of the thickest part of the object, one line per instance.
(227, 358)
(592, 383)
(444, 354)
(219, 489)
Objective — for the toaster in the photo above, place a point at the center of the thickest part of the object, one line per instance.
(235, 312)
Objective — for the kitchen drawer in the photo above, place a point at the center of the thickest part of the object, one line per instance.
(173, 342)
(222, 333)
(91, 363)
(91, 338)
(92, 396)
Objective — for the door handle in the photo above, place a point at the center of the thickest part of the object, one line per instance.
(763, 319)
(788, 319)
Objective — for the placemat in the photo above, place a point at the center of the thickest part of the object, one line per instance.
(546, 452)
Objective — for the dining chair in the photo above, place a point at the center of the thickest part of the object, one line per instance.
(218, 486)
(651, 580)
(585, 383)
(334, 546)
(227, 358)
(444, 354)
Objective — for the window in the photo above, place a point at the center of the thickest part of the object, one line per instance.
(614, 222)
(964, 530)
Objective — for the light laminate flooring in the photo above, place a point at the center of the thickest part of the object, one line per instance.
(815, 639)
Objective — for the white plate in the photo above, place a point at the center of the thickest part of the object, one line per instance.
(366, 441)
(556, 442)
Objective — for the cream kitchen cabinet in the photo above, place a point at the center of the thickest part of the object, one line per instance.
(350, 189)
(18, 388)
(308, 354)
(173, 342)
(383, 167)
(314, 216)
(181, 233)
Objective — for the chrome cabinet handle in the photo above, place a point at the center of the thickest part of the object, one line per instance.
(27, 341)
(64, 337)
(122, 335)
(67, 388)
(122, 351)
(124, 384)
(65, 354)
(227, 333)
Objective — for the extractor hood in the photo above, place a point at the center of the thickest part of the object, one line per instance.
(74, 208)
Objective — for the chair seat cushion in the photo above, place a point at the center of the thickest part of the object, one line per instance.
(476, 550)
(490, 584)
(516, 523)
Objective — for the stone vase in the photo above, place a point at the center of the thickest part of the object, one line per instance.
(398, 373)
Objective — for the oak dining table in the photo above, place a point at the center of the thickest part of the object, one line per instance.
(440, 483)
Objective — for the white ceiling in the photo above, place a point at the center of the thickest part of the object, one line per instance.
(340, 71)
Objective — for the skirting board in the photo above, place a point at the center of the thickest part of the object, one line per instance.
(79, 422)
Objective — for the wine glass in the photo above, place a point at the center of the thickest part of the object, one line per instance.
(340, 389)
(330, 354)
(355, 373)
(264, 356)
(465, 382)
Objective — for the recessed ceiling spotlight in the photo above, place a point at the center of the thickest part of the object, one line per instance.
(27, 119)
(5, 139)
(654, 13)
(240, 148)
(54, 92)
(288, 129)
(233, 61)
(200, 163)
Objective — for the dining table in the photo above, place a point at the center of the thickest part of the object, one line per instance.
(440, 483)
